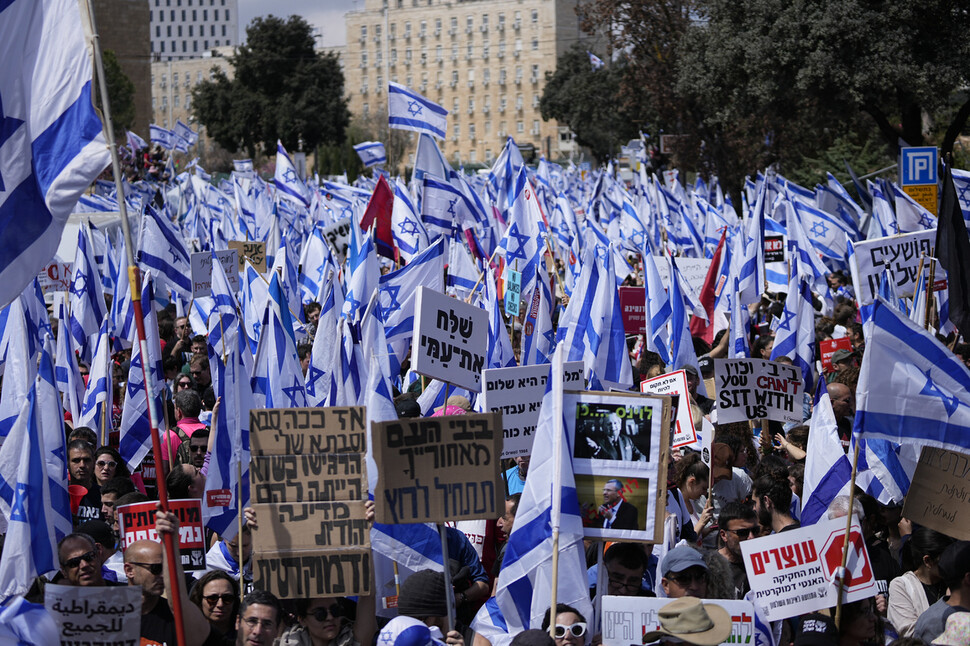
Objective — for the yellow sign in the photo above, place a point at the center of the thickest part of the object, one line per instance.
(924, 194)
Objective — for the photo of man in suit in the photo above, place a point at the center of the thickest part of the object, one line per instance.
(616, 445)
(616, 513)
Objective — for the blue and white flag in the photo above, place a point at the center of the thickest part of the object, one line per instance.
(135, 431)
(912, 390)
(409, 232)
(87, 297)
(288, 182)
(500, 353)
(135, 142)
(68, 374)
(20, 367)
(538, 334)
(910, 214)
(161, 250)
(682, 352)
(827, 467)
(463, 273)
(751, 275)
(595, 60)
(97, 403)
(183, 131)
(657, 308)
(53, 146)
(161, 136)
(364, 275)
(277, 377)
(408, 110)
(255, 294)
(22, 622)
(55, 442)
(371, 153)
(738, 347)
(522, 243)
(795, 334)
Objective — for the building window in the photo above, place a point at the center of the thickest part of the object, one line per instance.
(205, 44)
(366, 109)
(455, 108)
(363, 32)
(195, 46)
(407, 54)
(535, 100)
(363, 59)
(520, 127)
(472, 156)
(535, 126)
(407, 30)
(205, 15)
(437, 53)
(469, 54)
(223, 30)
(535, 44)
(471, 105)
(424, 29)
(486, 75)
(535, 16)
(469, 23)
(471, 131)
(393, 56)
(179, 31)
(175, 101)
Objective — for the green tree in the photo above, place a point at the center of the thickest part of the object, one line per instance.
(121, 94)
(587, 101)
(281, 89)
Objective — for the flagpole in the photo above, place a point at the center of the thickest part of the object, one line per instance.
(239, 489)
(488, 265)
(449, 586)
(134, 282)
(848, 529)
(555, 513)
(929, 294)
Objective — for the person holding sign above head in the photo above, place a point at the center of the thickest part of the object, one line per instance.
(615, 512)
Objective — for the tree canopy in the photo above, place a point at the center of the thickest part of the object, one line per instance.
(121, 94)
(281, 89)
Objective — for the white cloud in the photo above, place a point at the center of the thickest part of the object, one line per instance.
(328, 18)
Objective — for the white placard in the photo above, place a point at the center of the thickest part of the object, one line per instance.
(627, 619)
(675, 383)
(694, 271)
(517, 394)
(900, 255)
(56, 276)
(757, 389)
(202, 271)
(100, 615)
(338, 235)
(450, 339)
(792, 573)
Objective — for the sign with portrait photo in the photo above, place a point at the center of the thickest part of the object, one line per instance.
(620, 448)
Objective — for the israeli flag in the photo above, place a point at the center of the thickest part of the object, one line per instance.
(795, 335)
(67, 372)
(87, 297)
(97, 402)
(371, 153)
(161, 136)
(408, 110)
(135, 142)
(288, 182)
(51, 141)
(162, 250)
(277, 380)
(595, 60)
(182, 131)
(409, 232)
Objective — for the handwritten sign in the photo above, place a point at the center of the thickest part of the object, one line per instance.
(338, 235)
(287, 431)
(899, 255)
(305, 575)
(202, 271)
(828, 347)
(675, 384)
(317, 477)
(517, 394)
(450, 339)
(313, 525)
(792, 573)
(250, 250)
(757, 389)
(437, 469)
(95, 616)
(136, 522)
(694, 271)
(633, 306)
(627, 619)
(513, 291)
(56, 277)
(939, 497)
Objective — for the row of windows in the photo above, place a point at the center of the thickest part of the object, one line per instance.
(175, 102)
(185, 46)
(188, 3)
(178, 31)
(439, 51)
(186, 77)
(422, 31)
(195, 16)
(535, 77)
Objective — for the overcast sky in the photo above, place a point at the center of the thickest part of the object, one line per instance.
(326, 15)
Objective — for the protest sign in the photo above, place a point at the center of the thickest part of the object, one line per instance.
(675, 384)
(694, 271)
(202, 271)
(774, 248)
(250, 250)
(620, 440)
(306, 575)
(899, 255)
(316, 477)
(287, 431)
(828, 347)
(136, 522)
(633, 306)
(338, 235)
(792, 573)
(311, 526)
(939, 496)
(757, 389)
(449, 340)
(513, 291)
(517, 394)
(95, 616)
(56, 277)
(627, 619)
(439, 468)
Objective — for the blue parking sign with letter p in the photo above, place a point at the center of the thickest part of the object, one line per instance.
(918, 166)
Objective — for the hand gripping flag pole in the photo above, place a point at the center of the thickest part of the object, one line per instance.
(134, 281)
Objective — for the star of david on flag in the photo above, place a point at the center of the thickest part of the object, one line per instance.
(408, 110)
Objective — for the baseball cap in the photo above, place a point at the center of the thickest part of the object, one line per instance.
(841, 355)
(681, 558)
(406, 631)
(817, 630)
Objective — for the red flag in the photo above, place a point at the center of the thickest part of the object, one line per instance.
(378, 211)
(698, 326)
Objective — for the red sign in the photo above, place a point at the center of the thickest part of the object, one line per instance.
(858, 575)
(136, 522)
(218, 497)
(828, 348)
(774, 249)
(633, 304)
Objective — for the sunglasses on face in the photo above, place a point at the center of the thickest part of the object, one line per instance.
(184, 384)
(197, 449)
(101, 464)
(154, 568)
(320, 614)
(76, 561)
(744, 533)
(213, 599)
(576, 630)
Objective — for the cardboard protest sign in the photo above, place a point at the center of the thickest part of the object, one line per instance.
(627, 619)
(517, 394)
(757, 389)
(513, 291)
(633, 305)
(338, 235)
(285, 431)
(250, 250)
(620, 440)
(308, 481)
(939, 496)
(828, 347)
(675, 384)
(95, 615)
(439, 468)
(202, 271)
(136, 522)
(792, 573)
(449, 340)
(899, 255)
(56, 277)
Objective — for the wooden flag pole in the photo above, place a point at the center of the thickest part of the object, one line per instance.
(929, 294)
(848, 529)
(482, 275)
(557, 388)
(239, 538)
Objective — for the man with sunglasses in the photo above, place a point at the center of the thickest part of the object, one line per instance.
(738, 522)
(684, 573)
(80, 559)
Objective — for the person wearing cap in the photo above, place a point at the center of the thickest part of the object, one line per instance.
(690, 621)
(684, 573)
(816, 629)
(422, 597)
(955, 569)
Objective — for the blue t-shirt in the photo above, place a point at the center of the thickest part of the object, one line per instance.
(516, 484)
